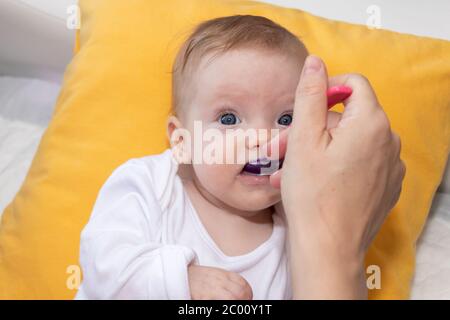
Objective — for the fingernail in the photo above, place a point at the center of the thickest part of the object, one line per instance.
(312, 64)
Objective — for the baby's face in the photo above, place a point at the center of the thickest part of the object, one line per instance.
(244, 90)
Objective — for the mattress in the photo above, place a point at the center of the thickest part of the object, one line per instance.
(26, 107)
(431, 279)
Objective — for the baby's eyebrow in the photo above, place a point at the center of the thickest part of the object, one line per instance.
(230, 91)
(227, 91)
(291, 101)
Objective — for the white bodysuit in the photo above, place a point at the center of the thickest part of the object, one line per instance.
(144, 232)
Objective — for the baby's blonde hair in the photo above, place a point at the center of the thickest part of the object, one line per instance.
(223, 34)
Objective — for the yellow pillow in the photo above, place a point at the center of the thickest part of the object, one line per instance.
(114, 103)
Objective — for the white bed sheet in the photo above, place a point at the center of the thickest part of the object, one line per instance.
(432, 276)
(26, 106)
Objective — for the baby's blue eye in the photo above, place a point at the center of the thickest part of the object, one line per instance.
(285, 120)
(228, 119)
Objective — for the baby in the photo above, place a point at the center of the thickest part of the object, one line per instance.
(177, 226)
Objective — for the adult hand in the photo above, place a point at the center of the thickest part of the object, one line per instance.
(341, 176)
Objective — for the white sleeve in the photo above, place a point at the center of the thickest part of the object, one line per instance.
(121, 253)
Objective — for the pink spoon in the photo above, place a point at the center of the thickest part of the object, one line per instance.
(337, 95)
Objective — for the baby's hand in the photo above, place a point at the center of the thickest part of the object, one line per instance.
(208, 283)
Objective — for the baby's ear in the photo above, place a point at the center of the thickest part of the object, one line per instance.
(179, 140)
(172, 125)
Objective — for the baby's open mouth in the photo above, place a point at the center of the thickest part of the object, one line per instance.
(262, 167)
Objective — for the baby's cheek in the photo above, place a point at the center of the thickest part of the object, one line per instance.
(226, 146)
(214, 177)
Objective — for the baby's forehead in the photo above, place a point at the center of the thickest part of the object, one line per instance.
(217, 81)
(245, 56)
(229, 75)
(235, 96)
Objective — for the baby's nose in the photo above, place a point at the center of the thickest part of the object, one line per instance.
(258, 139)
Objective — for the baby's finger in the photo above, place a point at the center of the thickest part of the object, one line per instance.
(239, 286)
(238, 279)
(219, 293)
(238, 292)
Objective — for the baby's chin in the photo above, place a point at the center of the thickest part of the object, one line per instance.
(256, 200)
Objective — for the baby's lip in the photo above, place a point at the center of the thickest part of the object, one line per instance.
(262, 166)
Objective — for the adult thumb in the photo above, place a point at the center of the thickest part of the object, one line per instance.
(310, 110)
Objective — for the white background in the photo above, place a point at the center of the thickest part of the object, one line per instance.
(35, 42)
(421, 17)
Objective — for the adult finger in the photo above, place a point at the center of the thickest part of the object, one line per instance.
(275, 179)
(333, 119)
(276, 147)
(310, 109)
(363, 98)
(279, 144)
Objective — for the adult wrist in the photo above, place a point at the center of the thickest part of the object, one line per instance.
(322, 271)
